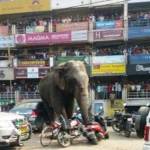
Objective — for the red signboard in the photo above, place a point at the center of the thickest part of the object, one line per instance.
(74, 26)
(112, 34)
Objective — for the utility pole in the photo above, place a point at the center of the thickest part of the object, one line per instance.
(125, 20)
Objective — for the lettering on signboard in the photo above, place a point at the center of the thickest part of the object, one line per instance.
(2, 75)
(141, 68)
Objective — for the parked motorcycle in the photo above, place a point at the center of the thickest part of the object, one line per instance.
(123, 123)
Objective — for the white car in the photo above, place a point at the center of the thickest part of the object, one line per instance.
(147, 134)
(13, 129)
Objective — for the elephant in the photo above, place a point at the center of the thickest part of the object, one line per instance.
(64, 84)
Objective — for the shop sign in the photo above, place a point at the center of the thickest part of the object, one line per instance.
(32, 72)
(74, 26)
(108, 69)
(7, 41)
(61, 37)
(17, 6)
(30, 63)
(43, 72)
(138, 32)
(20, 73)
(3, 30)
(109, 24)
(79, 35)
(6, 74)
(5, 63)
(112, 34)
(43, 38)
(139, 59)
(138, 69)
(119, 59)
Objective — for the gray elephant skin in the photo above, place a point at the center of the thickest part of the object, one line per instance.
(63, 85)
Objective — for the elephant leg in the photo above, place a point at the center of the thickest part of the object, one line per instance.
(69, 108)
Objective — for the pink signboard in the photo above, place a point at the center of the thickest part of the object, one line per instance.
(43, 38)
(61, 37)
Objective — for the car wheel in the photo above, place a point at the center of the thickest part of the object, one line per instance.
(143, 112)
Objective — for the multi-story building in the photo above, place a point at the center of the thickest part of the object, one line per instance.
(114, 47)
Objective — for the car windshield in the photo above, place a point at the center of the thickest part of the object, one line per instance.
(27, 105)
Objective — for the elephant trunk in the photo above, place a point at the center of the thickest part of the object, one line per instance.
(83, 104)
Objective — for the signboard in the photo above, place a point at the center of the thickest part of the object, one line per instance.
(138, 69)
(43, 38)
(6, 74)
(138, 32)
(7, 41)
(74, 26)
(139, 59)
(119, 59)
(32, 73)
(5, 63)
(32, 63)
(3, 30)
(79, 36)
(112, 34)
(24, 73)
(22, 6)
(108, 69)
(109, 24)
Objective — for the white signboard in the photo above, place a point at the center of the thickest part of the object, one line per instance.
(32, 72)
(6, 74)
(79, 35)
(119, 59)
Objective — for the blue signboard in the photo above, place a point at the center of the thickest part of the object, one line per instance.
(7, 41)
(105, 24)
(138, 32)
(139, 59)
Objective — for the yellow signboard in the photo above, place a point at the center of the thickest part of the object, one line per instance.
(102, 69)
(22, 6)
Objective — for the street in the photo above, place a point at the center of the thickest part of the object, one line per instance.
(115, 142)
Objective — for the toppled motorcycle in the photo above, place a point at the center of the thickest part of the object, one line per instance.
(66, 131)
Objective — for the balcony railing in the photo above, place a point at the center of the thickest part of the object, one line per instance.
(139, 23)
(28, 95)
(138, 95)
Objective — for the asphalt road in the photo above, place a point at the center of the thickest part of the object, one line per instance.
(115, 142)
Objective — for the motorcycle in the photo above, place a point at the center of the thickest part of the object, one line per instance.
(123, 123)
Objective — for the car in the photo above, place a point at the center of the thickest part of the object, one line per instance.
(34, 111)
(13, 129)
(147, 133)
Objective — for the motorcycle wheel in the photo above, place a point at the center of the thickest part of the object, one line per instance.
(127, 133)
(63, 139)
(115, 127)
(46, 136)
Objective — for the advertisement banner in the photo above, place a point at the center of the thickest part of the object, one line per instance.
(22, 6)
(22, 73)
(138, 32)
(32, 63)
(138, 69)
(5, 63)
(61, 37)
(6, 74)
(3, 30)
(139, 59)
(108, 69)
(109, 24)
(7, 41)
(43, 38)
(116, 59)
(74, 26)
(103, 35)
(79, 36)
(32, 72)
